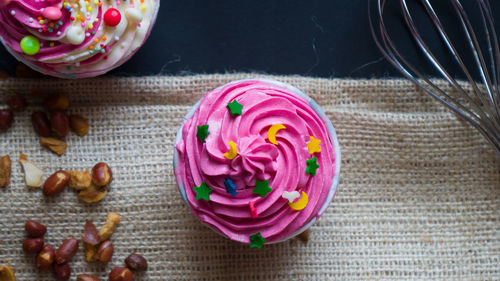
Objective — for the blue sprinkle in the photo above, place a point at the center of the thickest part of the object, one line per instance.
(91, 52)
(50, 29)
(103, 51)
(60, 22)
(230, 187)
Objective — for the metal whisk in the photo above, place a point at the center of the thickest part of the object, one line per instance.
(480, 107)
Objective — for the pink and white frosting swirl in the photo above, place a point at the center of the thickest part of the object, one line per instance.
(75, 40)
(265, 103)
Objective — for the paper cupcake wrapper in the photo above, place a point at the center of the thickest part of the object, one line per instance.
(319, 111)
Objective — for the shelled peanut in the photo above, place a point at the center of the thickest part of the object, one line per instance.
(5, 170)
(6, 273)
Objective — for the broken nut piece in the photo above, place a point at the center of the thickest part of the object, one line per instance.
(112, 222)
(5, 170)
(79, 125)
(32, 174)
(90, 251)
(93, 194)
(57, 146)
(6, 273)
(80, 180)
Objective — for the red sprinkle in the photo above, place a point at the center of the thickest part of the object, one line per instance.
(253, 210)
(112, 17)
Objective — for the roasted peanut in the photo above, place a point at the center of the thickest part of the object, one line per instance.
(57, 146)
(59, 123)
(56, 102)
(32, 245)
(56, 183)
(6, 273)
(304, 236)
(112, 222)
(79, 125)
(62, 272)
(16, 101)
(41, 123)
(101, 174)
(104, 252)
(67, 250)
(136, 262)
(5, 170)
(80, 180)
(86, 277)
(45, 258)
(90, 251)
(121, 274)
(90, 234)
(93, 194)
(32, 174)
(35, 229)
(6, 118)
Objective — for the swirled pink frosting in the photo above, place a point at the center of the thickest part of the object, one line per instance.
(78, 44)
(264, 103)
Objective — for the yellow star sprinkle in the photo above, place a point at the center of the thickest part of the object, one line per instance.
(313, 145)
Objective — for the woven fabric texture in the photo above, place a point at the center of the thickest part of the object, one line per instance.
(419, 195)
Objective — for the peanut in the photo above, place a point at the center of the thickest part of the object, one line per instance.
(104, 252)
(32, 245)
(93, 194)
(101, 174)
(41, 123)
(59, 123)
(57, 146)
(66, 251)
(46, 258)
(121, 274)
(56, 183)
(56, 102)
(35, 229)
(32, 174)
(136, 262)
(112, 222)
(62, 272)
(86, 277)
(79, 125)
(16, 102)
(90, 234)
(5, 170)
(80, 180)
(6, 118)
(90, 251)
(6, 273)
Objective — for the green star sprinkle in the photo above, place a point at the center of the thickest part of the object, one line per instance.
(234, 107)
(262, 188)
(202, 132)
(256, 241)
(312, 166)
(202, 192)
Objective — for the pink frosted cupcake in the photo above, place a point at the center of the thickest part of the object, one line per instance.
(75, 38)
(257, 161)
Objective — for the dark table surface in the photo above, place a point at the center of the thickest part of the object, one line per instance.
(327, 38)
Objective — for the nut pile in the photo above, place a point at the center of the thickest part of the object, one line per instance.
(59, 124)
(49, 130)
(91, 188)
(97, 245)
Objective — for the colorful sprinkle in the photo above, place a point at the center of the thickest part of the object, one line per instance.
(235, 108)
(262, 188)
(291, 196)
(202, 192)
(253, 210)
(112, 17)
(256, 241)
(313, 145)
(52, 13)
(312, 166)
(233, 151)
(271, 134)
(301, 204)
(202, 133)
(30, 45)
(230, 187)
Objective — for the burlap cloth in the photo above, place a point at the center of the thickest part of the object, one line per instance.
(419, 196)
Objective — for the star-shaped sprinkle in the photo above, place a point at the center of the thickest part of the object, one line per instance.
(230, 187)
(313, 145)
(234, 107)
(202, 132)
(202, 192)
(262, 188)
(312, 166)
(256, 241)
